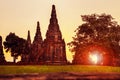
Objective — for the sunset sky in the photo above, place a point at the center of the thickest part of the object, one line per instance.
(19, 16)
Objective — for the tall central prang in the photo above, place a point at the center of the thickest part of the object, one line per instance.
(54, 45)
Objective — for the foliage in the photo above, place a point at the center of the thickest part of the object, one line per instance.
(97, 29)
(15, 45)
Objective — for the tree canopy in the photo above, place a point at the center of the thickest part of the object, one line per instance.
(15, 45)
(96, 29)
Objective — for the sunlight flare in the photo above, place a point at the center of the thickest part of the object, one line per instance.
(95, 57)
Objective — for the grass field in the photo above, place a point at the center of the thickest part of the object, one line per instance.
(46, 69)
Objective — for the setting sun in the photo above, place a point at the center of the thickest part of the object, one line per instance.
(95, 57)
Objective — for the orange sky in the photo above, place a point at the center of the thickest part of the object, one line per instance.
(19, 16)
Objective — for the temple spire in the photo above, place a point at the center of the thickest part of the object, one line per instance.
(53, 18)
(28, 37)
(53, 26)
(38, 28)
(38, 36)
(37, 45)
(53, 13)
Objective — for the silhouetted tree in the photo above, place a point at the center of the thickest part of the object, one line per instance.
(15, 45)
(96, 29)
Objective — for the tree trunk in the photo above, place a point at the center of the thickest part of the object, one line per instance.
(14, 59)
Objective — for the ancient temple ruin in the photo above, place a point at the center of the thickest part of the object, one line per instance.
(2, 58)
(51, 50)
(26, 57)
(54, 45)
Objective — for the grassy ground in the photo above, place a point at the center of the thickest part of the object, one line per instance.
(46, 69)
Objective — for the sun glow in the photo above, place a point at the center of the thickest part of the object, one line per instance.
(95, 57)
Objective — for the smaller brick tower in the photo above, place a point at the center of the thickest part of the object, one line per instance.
(2, 58)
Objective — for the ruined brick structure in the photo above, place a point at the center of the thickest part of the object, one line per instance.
(36, 53)
(2, 58)
(52, 49)
(26, 57)
(54, 45)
